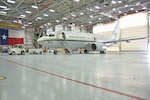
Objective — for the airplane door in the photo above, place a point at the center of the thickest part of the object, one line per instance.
(64, 36)
(61, 36)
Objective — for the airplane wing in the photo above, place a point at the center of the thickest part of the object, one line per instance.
(126, 40)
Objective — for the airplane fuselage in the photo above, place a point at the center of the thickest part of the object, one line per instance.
(71, 40)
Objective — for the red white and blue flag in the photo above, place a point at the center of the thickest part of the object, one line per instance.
(7, 38)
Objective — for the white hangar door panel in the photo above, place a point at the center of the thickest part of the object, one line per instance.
(134, 32)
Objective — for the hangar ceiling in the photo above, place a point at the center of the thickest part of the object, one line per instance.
(46, 13)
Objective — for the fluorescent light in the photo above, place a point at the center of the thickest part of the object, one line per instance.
(57, 21)
(29, 12)
(22, 16)
(90, 22)
(81, 13)
(51, 10)
(3, 12)
(91, 16)
(15, 21)
(99, 18)
(131, 8)
(120, 11)
(45, 15)
(126, 5)
(97, 7)
(113, 2)
(29, 23)
(77, 0)
(11, 1)
(39, 18)
(114, 9)
(33, 6)
(65, 18)
(4, 7)
(119, 1)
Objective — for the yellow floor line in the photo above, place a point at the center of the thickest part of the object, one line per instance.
(2, 78)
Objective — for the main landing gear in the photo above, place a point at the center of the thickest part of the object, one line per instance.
(102, 52)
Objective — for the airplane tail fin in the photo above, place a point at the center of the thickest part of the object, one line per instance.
(115, 35)
(116, 32)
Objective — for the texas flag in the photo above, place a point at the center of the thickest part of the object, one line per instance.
(10, 37)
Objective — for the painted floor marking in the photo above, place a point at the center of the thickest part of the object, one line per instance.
(2, 78)
(73, 80)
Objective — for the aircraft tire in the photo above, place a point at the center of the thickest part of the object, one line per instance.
(55, 52)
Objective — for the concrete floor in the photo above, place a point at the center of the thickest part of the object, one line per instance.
(112, 76)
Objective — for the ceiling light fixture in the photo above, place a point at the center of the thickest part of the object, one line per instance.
(113, 2)
(45, 15)
(51, 10)
(33, 6)
(97, 7)
(39, 18)
(81, 13)
(4, 7)
(3, 12)
(77, 0)
(11, 1)
(29, 12)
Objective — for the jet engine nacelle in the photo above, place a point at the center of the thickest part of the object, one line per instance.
(97, 47)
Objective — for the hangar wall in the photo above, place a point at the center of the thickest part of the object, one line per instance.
(131, 26)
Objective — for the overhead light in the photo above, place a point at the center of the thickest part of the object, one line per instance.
(97, 7)
(90, 22)
(4, 7)
(30, 23)
(15, 21)
(73, 15)
(131, 8)
(65, 18)
(39, 18)
(23, 16)
(11, 1)
(119, 1)
(113, 2)
(114, 9)
(33, 6)
(29, 12)
(51, 10)
(45, 15)
(91, 16)
(3, 12)
(126, 5)
(57, 21)
(77, 0)
(120, 11)
(81, 13)
(99, 18)
(82, 25)
(136, 11)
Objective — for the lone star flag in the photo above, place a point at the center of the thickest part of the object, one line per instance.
(11, 37)
(3, 37)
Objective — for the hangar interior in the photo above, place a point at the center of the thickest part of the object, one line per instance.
(28, 20)
(123, 73)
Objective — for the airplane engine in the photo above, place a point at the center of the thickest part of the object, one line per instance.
(98, 47)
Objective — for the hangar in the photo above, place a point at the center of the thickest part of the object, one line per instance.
(27, 73)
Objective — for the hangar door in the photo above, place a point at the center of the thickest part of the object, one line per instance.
(134, 26)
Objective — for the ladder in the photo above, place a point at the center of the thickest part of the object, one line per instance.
(66, 44)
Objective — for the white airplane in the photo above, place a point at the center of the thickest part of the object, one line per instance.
(73, 41)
